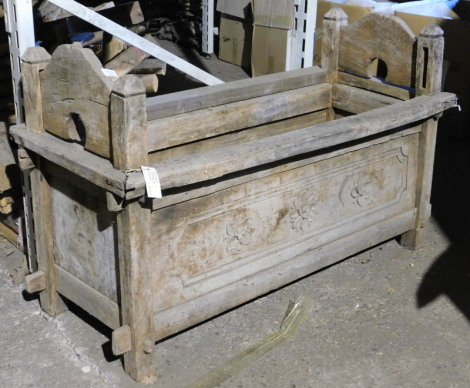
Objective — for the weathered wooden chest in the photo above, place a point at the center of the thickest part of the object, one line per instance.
(264, 180)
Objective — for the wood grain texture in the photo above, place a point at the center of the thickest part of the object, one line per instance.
(129, 140)
(205, 306)
(334, 19)
(355, 100)
(35, 282)
(382, 37)
(72, 157)
(95, 303)
(429, 80)
(213, 164)
(34, 61)
(239, 137)
(51, 302)
(201, 98)
(377, 85)
(76, 97)
(210, 122)
(192, 193)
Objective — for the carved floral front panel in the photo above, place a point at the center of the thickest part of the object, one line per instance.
(257, 225)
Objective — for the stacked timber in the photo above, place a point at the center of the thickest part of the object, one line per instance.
(120, 58)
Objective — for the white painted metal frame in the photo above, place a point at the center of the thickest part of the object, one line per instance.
(20, 28)
(208, 30)
(304, 34)
(19, 25)
(143, 44)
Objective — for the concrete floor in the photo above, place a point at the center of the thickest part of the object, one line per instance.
(387, 317)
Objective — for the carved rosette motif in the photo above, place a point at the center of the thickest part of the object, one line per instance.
(238, 235)
(303, 210)
(361, 189)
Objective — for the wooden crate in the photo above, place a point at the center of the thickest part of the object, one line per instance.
(260, 185)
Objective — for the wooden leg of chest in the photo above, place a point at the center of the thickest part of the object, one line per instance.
(51, 301)
(430, 54)
(416, 237)
(129, 138)
(135, 292)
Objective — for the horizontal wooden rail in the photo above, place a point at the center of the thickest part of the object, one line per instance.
(213, 164)
(205, 97)
(72, 157)
(356, 100)
(210, 122)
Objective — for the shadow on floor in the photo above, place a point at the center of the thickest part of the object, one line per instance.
(449, 275)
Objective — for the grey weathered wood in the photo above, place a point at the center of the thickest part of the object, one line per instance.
(72, 156)
(255, 194)
(382, 37)
(35, 282)
(430, 55)
(150, 66)
(200, 98)
(95, 303)
(376, 85)
(129, 139)
(129, 58)
(355, 100)
(121, 340)
(175, 319)
(189, 127)
(150, 82)
(224, 184)
(51, 301)
(239, 137)
(34, 61)
(333, 20)
(83, 98)
(216, 163)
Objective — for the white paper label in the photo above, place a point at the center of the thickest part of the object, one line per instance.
(152, 182)
(109, 73)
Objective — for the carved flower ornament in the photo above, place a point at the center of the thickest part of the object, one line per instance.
(303, 211)
(239, 234)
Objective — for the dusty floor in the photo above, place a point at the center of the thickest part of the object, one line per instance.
(387, 317)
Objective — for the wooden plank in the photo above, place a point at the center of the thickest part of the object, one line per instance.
(9, 234)
(355, 100)
(189, 127)
(135, 40)
(72, 157)
(90, 300)
(259, 132)
(200, 98)
(216, 163)
(376, 85)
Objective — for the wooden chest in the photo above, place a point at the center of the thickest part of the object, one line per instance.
(264, 180)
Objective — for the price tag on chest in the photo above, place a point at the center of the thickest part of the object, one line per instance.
(152, 182)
